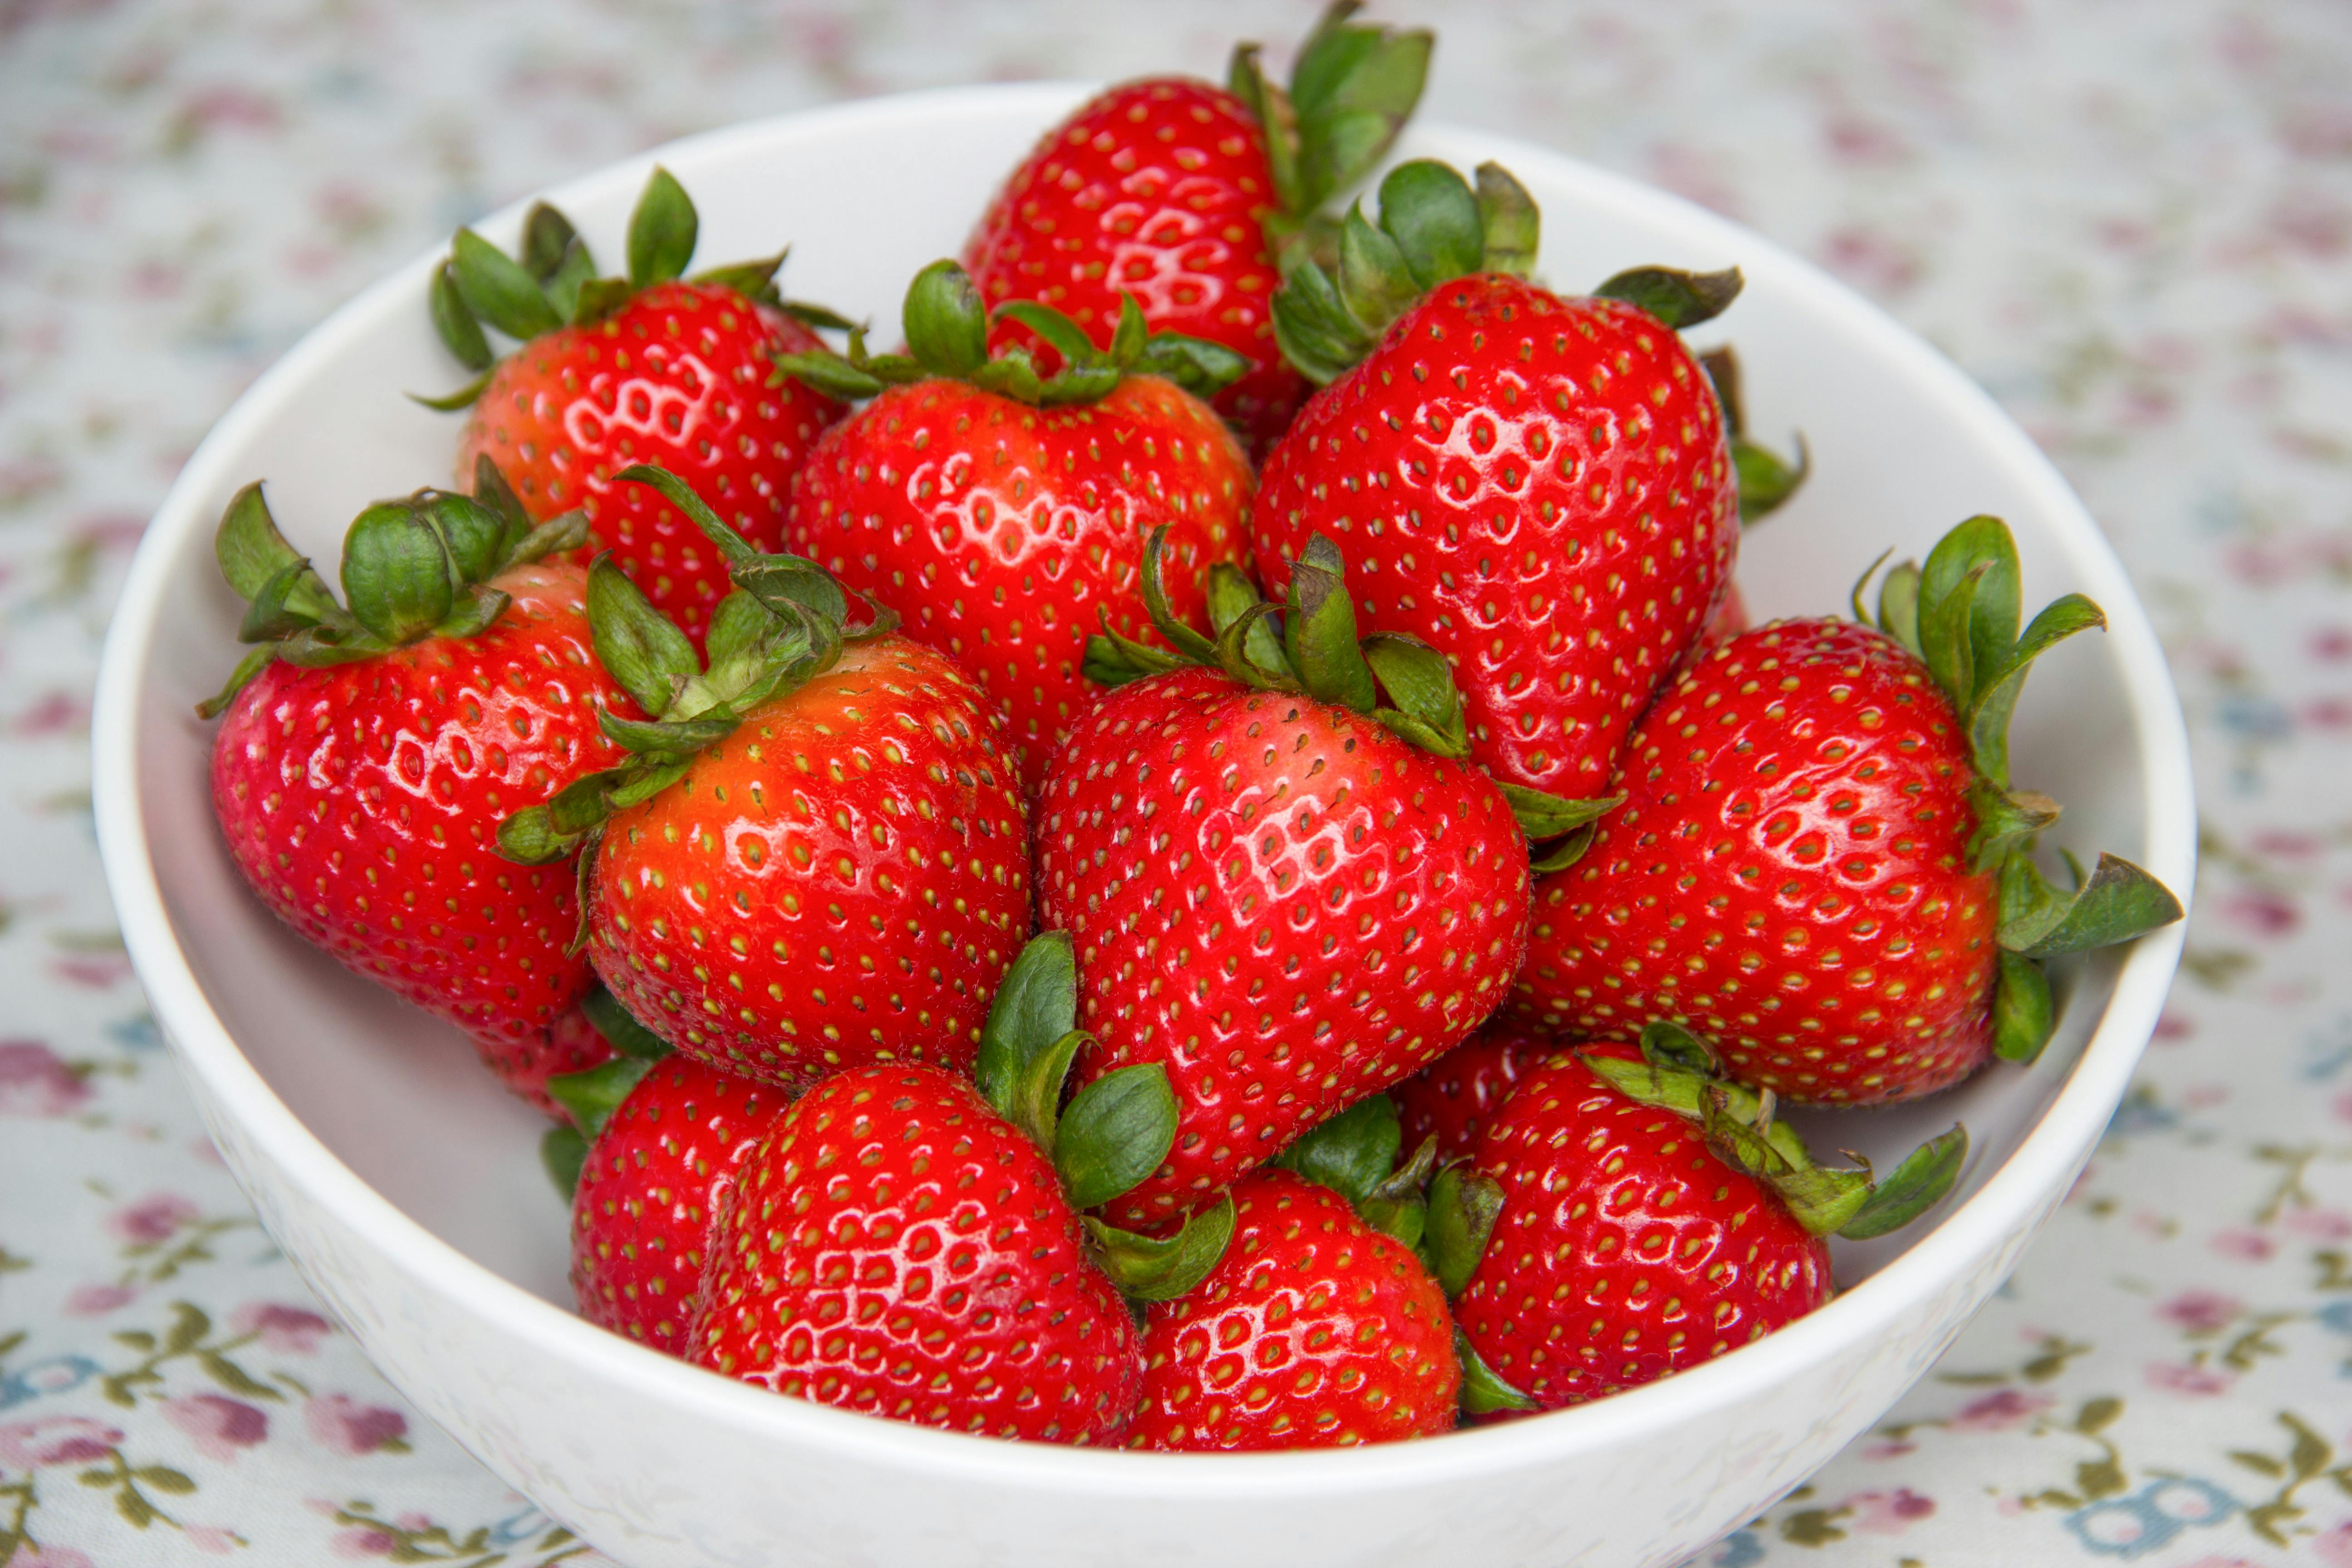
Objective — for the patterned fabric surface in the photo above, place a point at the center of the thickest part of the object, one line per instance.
(2132, 222)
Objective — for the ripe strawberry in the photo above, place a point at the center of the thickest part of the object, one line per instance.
(903, 1244)
(1451, 1099)
(1163, 189)
(657, 369)
(1001, 515)
(1631, 1219)
(1537, 486)
(817, 859)
(367, 754)
(1818, 866)
(651, 1189)
(1282, 890)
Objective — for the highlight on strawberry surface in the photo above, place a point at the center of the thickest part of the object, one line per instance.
(1026, 926)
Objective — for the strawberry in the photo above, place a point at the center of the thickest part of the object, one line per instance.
(1820, 867)
(656, 369)
(907, 1243)
(1169, 190)
(1537, 486)
(817, 857)
(1286, 891)
(651, 1189)
(1448, 1103)
(1002, 514)
(1319, 1328)
(1624, 1220)
(369, 749)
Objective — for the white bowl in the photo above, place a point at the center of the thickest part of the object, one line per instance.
(406, 1189)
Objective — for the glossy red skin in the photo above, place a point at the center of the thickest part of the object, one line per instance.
(362, 801)
(1001, 532)
(1156, 188)
(679, 377)
(1456, 467)
(1279, 902)
(897, 1247)
(1455, 1097)
(1730, 620)
(1788, 876)
(842, 882)
(1624, 1249)
(570, 1044)
(651, 1189)
(1314, 1330)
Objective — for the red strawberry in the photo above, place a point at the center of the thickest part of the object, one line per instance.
(1274, 893)
(650, 1191)
(818, 858)
(1002, 516)
(572, 1044)
(1314, 1332)
(1537, 486)
(1818, 866)
(368, 754)
(1453, 1099)
(654, 370)
(1162, 189)
(903, 1244)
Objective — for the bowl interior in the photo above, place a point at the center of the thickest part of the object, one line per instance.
(1902, 449)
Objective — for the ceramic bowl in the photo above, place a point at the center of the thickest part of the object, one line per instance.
(405, 1186)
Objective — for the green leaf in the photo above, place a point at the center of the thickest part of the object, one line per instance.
(1668, 1046)
(2007, 821)
(1421, 683)
(270, 618)
(1913, 1187)
(1429, 210)
(1766, 480)
(1898, 607)
(473, 534)
(568, 530)
(1997, 689)
(396, 574)
(1133, 332)
(1463, 1206)
(642, 647)
(477, 609)
(247, 545)
(756, 282)
(666, 738)
(945, 323)
(1146, 1269)
(1543, 815)
(1185, 639)
(562, 1153)
(831, 374)
(1979, 551)
(1351, 1152)
(562, 287)
(1318, 631)
(1352, 90)
(661, 231)
(498, 289)
(1313, 326)
(1508, 217)
(1678, 298)
(597, 297)
(1013, 374)
(1034, 1011)
(464, 396)
(1112, 660)
(1688, 1094)
(1376, 282)
(1231, 595)
(1115, 1131)
(1270, 107)
(619, 1027)
(1483, 1389)
(1199, 366)
(2120, 902)
(2023, 1015)
(1066, 336)
(189, 1326)
(817, 316)
(234, 1378)
(548, 238)
(459, 332)
(1565, 851)
(592, 1096)
(1944, 639)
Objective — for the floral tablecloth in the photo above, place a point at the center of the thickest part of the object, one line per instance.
(2132, 221)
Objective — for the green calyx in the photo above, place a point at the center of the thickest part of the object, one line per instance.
(1309, 647)
(1352, 91)
(1111, 1135)
(1960, 613)
(413, 568)
(946, 338)
(1355, 1154)
(551, 283)
(1675, 1074)
(784, 625)
(1766, 478)
(591, 1097)
(1435, 227)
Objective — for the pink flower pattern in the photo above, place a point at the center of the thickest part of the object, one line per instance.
(2131, 223)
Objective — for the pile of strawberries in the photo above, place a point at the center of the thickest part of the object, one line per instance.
(1200, 855)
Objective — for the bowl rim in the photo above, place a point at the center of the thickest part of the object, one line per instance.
(2044, 1161)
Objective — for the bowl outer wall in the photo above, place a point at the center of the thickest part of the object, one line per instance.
(657, 1463)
